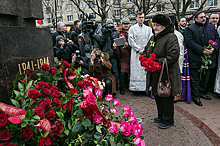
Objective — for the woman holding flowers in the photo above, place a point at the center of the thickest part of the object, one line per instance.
(164, 44)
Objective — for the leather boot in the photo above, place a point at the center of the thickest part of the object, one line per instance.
(122, 80)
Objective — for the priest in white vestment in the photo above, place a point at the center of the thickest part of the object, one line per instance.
(138, 37)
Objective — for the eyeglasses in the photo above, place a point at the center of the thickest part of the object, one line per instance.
(202, 17)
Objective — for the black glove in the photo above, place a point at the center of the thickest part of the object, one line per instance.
(91, 32)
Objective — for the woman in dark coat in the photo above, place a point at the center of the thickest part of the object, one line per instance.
(124, 53)
(101, 66)
(165, 46)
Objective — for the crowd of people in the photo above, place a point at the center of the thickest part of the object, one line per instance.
(111, 54)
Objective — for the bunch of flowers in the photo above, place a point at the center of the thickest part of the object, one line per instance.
(149, 64)
(206, 58)
(62, 107)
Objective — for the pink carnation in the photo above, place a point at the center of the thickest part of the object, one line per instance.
(214, 43)
(114, 111)
(98, 93)
(91, 99)
(127, 113)
(116, 102)
(125, 128)
(113, 129)
(97, 119)
(109, 97)
(139, 142)
(126, 108)
(90, 88)
(210, 41)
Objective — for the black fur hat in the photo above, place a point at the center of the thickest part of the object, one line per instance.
(161, 19)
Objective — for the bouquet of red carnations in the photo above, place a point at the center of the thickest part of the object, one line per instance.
(149, 64)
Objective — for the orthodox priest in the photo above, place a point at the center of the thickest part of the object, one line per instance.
(138, 37)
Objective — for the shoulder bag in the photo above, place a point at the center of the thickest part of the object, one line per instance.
(164, 87)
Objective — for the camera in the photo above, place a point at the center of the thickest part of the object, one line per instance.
(98, 56)
(106, 29)
(77, 54)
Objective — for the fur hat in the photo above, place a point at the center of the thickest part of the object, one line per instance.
(125, 20)
(161, 19)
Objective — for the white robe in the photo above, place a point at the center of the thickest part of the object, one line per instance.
(138, 38)
(217, 79)
(181, 57)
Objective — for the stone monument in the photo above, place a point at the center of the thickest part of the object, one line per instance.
(22, 45)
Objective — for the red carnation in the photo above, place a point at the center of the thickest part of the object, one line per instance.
(26, 134)
(49, 85)
(46, 103)
(57, 127)
(44, 141)
(53, 88)
(5, 135)
(56, 102)
(65, 64)
(39, 110)
(53, 70)
(152, 55)
(81, 85)
(45, 67)
(144, 64)
(3, 120)
(73, 91)
(45, 92)
(71, 72)
(41, 85)
(67, 106)
(28, 72)
(141, 58)
(28, 79)
(50, 114)
(56, 94)
(33, 94)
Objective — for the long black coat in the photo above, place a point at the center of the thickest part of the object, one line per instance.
(166, 46)
(197, 36)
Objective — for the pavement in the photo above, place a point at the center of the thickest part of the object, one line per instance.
(188, 130)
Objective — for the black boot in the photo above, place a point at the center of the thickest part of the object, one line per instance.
(122, 81)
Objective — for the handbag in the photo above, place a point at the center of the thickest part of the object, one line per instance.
(164, 87)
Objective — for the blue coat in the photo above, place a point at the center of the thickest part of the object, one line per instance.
(197, 36)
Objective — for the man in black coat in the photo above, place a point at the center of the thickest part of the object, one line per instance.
(74, 32)
(196, 37)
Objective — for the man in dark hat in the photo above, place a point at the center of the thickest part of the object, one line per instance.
(196, 37)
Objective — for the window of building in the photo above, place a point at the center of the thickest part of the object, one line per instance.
(49, 20)
(81, 5)
(129, 1)
(131, 11)
(116, 2)
(117, 13)
(59, 19)
(175, 6)
(47, 1)
(92, 4)
(70, 18)
(80, 16)
(194, 4)
(59, 8)
(212, 3)
(160, 8)
(48, 10)
(69, 7)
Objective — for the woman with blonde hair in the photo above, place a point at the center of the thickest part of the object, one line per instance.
(101, 66)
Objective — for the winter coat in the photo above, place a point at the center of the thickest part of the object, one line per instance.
(196, 37)
(166, 46)
(73, 35)
(124, 53)
(102, 70)
(63, 53)
(84, 66)
(107, 40)
(88, 41)
(55, 34)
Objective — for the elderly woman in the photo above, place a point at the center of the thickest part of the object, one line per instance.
(165, 46)
(101, 66)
